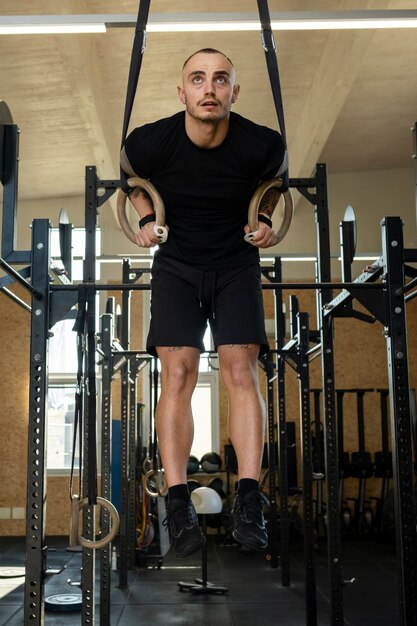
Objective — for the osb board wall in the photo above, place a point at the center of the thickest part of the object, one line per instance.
(14, 392)
(14, 339)
(360, 357)
(360, 361)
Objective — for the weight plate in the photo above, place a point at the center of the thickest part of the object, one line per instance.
(64, 602)
(11, 572)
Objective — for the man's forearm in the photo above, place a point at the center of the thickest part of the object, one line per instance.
(269, 202)
(141, 202)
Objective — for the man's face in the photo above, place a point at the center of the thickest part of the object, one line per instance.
(208, 87)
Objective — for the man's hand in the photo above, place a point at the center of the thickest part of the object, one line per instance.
(264, 236)
(146, 237)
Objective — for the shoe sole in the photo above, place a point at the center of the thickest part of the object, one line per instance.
(248, 543)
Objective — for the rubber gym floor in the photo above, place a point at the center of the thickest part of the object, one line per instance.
(255, 597)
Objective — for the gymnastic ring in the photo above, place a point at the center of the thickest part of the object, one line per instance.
(255, 204)
(147, 464)
(154, 493)
(76, 538)
(158, 206)
(161, 485)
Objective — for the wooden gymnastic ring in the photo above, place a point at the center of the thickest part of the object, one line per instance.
(158, 207)
(146, 484)
(255, 204)
(147, 464)
(161, 485)
(76, 538)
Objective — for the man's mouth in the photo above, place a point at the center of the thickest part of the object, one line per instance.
(209, 103)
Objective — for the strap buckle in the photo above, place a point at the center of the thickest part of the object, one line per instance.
(144, 41)
(263, 40)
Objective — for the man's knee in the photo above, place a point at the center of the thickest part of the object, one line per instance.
(241, 374)
(179, 375)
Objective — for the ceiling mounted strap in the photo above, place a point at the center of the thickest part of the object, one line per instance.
(139, 45)
(268, 43)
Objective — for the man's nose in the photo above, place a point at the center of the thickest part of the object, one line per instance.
(210, 87)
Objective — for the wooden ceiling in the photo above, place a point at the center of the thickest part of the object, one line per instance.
(350, 97)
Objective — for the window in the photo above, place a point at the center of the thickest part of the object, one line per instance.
(78, 249)
(63, 367)
(205, 408)
(61, 409)
(61, 395)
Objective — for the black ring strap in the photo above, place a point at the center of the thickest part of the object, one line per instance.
(139, 45)
(268, 43)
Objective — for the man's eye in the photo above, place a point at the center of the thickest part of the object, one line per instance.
(221, 79)
(197, 79)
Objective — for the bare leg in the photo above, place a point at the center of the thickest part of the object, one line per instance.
(239, 371)
(174, 420)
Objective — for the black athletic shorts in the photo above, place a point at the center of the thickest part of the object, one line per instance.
(184, 299)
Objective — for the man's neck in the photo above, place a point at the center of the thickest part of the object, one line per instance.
(206, 134)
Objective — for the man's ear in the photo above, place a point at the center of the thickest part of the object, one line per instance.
(236, 90)
(181, 95)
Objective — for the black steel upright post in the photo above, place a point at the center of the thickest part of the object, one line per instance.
(401, 433)
(106, 458)
(414, 132)
(38, 385)
(132, 461)
(89, 276)
(307, 466)
(124, 435)
(284, 522)
(325, 324)
(272, 462)
(9, 161)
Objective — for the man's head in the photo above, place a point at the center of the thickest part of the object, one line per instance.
(208, 85)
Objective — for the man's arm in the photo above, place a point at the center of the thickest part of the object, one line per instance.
(269, 202)
(142, 203)
(265, 236)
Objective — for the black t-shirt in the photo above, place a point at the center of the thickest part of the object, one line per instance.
(206, 192)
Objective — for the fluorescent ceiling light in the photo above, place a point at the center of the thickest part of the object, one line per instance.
(51, 29)
(50, 24)
(205, 22)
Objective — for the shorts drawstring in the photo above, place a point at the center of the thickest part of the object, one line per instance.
(213, 291)
(200, 290)
(213, 295)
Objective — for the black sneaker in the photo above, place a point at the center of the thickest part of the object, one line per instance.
(184, 531)
(248, 520)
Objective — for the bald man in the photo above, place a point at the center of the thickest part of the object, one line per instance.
(206, 163)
